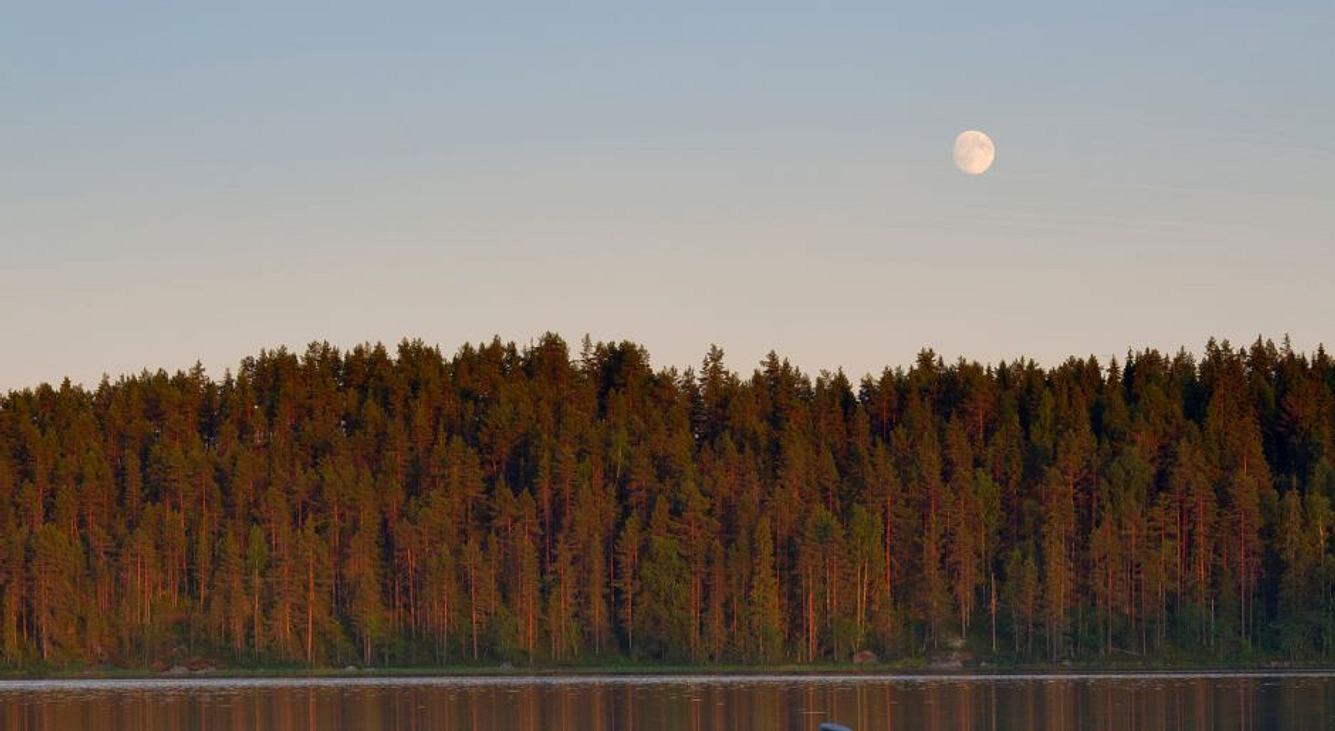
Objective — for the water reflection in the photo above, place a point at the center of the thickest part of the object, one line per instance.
(695, 703)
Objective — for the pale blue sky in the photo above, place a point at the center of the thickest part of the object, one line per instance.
(189, 183)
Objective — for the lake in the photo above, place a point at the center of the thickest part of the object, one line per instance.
(696, 703)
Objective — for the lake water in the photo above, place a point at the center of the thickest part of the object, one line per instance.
(695, 703)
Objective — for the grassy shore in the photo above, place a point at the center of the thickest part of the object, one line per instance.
(911, 666)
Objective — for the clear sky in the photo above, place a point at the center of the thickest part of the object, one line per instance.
(180, 183)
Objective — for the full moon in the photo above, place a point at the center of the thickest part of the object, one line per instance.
(974, 152)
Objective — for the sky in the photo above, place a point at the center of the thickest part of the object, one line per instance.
(182, 184)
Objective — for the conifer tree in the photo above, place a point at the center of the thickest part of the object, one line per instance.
(405, 506)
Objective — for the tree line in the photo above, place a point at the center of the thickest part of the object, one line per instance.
(535, 505)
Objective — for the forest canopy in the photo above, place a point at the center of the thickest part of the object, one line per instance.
(537, 505)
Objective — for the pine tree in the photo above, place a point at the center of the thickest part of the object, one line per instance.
(765, 622)
(404, 506)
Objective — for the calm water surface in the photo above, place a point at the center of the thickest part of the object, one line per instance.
(1167, 701)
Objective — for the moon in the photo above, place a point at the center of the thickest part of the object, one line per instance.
(974, 152)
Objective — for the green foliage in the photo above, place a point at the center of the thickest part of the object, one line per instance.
(764, 619)
(532, 505)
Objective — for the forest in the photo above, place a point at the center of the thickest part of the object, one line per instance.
(539, 506)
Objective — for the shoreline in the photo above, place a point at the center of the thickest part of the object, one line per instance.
(577, 673)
